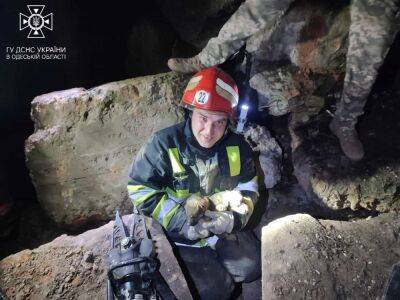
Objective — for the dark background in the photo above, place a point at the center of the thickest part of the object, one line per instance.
(104, 43)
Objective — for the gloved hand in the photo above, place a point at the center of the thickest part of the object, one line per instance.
(221, 221)
(195, 232)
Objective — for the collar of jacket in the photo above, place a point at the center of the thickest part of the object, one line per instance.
(193, 147)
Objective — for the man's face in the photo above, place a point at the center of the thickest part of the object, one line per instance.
(208, 126)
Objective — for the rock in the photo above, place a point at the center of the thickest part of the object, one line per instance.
(287, 199)
(88, 257)
(269, 153)
(277, 89)
(58, 281)
(85, 140)
(333, 260)
(332, 180)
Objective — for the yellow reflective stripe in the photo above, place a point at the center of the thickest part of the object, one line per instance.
(134, 188)
(157, 210)
(182, 193)
(144, 197)
(167, 218)
(234, 160)
(177, 193)
(174, 158)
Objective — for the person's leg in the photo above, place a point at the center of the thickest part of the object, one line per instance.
(206, 274)
(374, 24)
(240, 254)
(250, 17)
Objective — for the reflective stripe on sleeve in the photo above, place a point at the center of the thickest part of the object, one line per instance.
(140, 193)
(165, 210)
(179, 196)
(233, 159)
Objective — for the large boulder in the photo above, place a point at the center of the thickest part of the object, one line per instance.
(303, 257)
(85, 140)
(74, 267)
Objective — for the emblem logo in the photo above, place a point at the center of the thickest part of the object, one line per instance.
(36, 21)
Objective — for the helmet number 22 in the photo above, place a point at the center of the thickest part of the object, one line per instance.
(201, 97)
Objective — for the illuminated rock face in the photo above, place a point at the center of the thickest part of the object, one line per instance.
(85, 140)
(303, 257)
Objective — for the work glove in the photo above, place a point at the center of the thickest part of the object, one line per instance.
(196, 232)
(220, 221)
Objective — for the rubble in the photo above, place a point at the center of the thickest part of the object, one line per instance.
(303, 257)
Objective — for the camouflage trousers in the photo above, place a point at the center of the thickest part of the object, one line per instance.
(374, 24)
(373, 27)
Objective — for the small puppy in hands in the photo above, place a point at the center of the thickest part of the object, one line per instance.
(197, 205)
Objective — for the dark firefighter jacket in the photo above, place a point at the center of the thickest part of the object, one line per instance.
(172, 166)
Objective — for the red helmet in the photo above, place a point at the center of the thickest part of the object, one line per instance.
(211, 89)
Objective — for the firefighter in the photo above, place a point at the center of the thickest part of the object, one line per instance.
(202, 156)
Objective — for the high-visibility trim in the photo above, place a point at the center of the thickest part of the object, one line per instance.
(167, 218)
(165, 210)
(251, 185)
(157, 210)
(134, 188)
(178, 196)
(138, 198)
(233, 159)
(174, 158)
(233, 95)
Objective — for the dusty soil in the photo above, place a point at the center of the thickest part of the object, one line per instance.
(73, 267)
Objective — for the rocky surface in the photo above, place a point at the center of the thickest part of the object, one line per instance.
(269, 154)
(303, 257)
(73, 267)
(85, 140)
(334, 181)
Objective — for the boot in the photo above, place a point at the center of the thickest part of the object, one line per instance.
(348, 138)
(185, 65)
